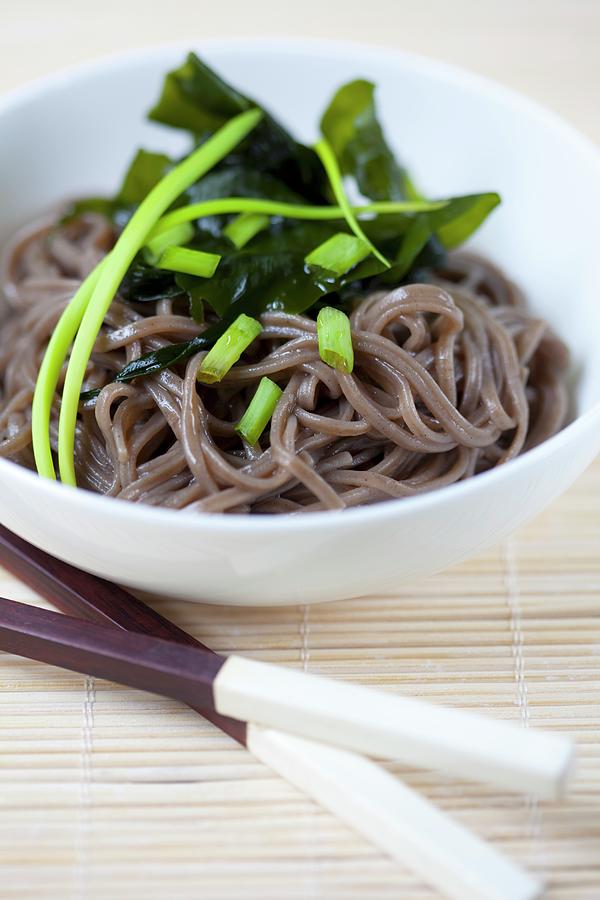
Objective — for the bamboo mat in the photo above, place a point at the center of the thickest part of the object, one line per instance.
(107, 792)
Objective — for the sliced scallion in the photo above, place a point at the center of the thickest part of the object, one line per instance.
(335, 339)
(172, 237)
(189, 262)
(330, 164)
(228, 349)
(244, 227)
(339, 253)
(259, 412)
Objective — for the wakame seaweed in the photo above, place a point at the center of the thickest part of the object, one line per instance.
(351, 126)
(270, 271)
(195, 99)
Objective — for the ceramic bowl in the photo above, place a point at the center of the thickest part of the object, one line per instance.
(74, 134)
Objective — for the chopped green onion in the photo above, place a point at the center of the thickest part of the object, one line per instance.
(228, 349)
(244, 227)
(189, 262)
(335, 339)
(261, 408)
(135, 234)
(175, 236)
(330, 164)
(339, 253)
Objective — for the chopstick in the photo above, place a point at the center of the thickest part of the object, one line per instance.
(346, 715)
(351, 716)
(389, 814)
(79, 593)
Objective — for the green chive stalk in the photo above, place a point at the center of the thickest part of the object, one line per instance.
(228, 348)
(50, 369)
(229, 205)
(133, 237)
(174, 237)
(244, 227)
(259, 412)
(330, 164)
(339, 253)
(335, 339)
(189, 262)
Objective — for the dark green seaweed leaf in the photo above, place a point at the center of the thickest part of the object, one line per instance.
(351, 126)
(237, 181)
(145, 171)
(146, 284)
(196, 99)
(411, 241)
(240, 181)
(255, 282)
(462, 217)
(193, 287)
(157, 360)
(86, 396)
(197, 309)
(451, 225)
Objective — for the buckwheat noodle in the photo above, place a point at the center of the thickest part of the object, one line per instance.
(452, 377)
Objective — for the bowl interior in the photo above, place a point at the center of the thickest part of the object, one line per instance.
(75, 134)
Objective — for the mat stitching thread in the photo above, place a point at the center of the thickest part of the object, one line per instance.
(305, 635)
(516, 627)
(311, 821)
(85, 796)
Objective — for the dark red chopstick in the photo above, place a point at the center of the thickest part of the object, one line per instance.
(128, 657)
(347, 715)
(89, 597)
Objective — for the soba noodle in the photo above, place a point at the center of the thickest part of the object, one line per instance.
(452, 377)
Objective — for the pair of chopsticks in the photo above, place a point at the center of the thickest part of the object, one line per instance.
(306, 728)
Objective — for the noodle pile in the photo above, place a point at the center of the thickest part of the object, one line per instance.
(452, 377)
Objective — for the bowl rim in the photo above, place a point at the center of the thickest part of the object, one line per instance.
(397, 509)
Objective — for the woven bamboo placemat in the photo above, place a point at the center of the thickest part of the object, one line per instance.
(107, 792)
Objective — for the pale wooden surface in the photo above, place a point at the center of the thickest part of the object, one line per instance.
(108, 792)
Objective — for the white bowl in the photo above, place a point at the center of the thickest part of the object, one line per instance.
(458, 133)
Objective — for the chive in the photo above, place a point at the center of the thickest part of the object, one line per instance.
(244, 227)
(261, 408)
(335, 339)
(330, 164)
(339, 253)
(50, 369)
(175, 236)
(133, 237)
(228, 205)
(189, 262)
(228, 349)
